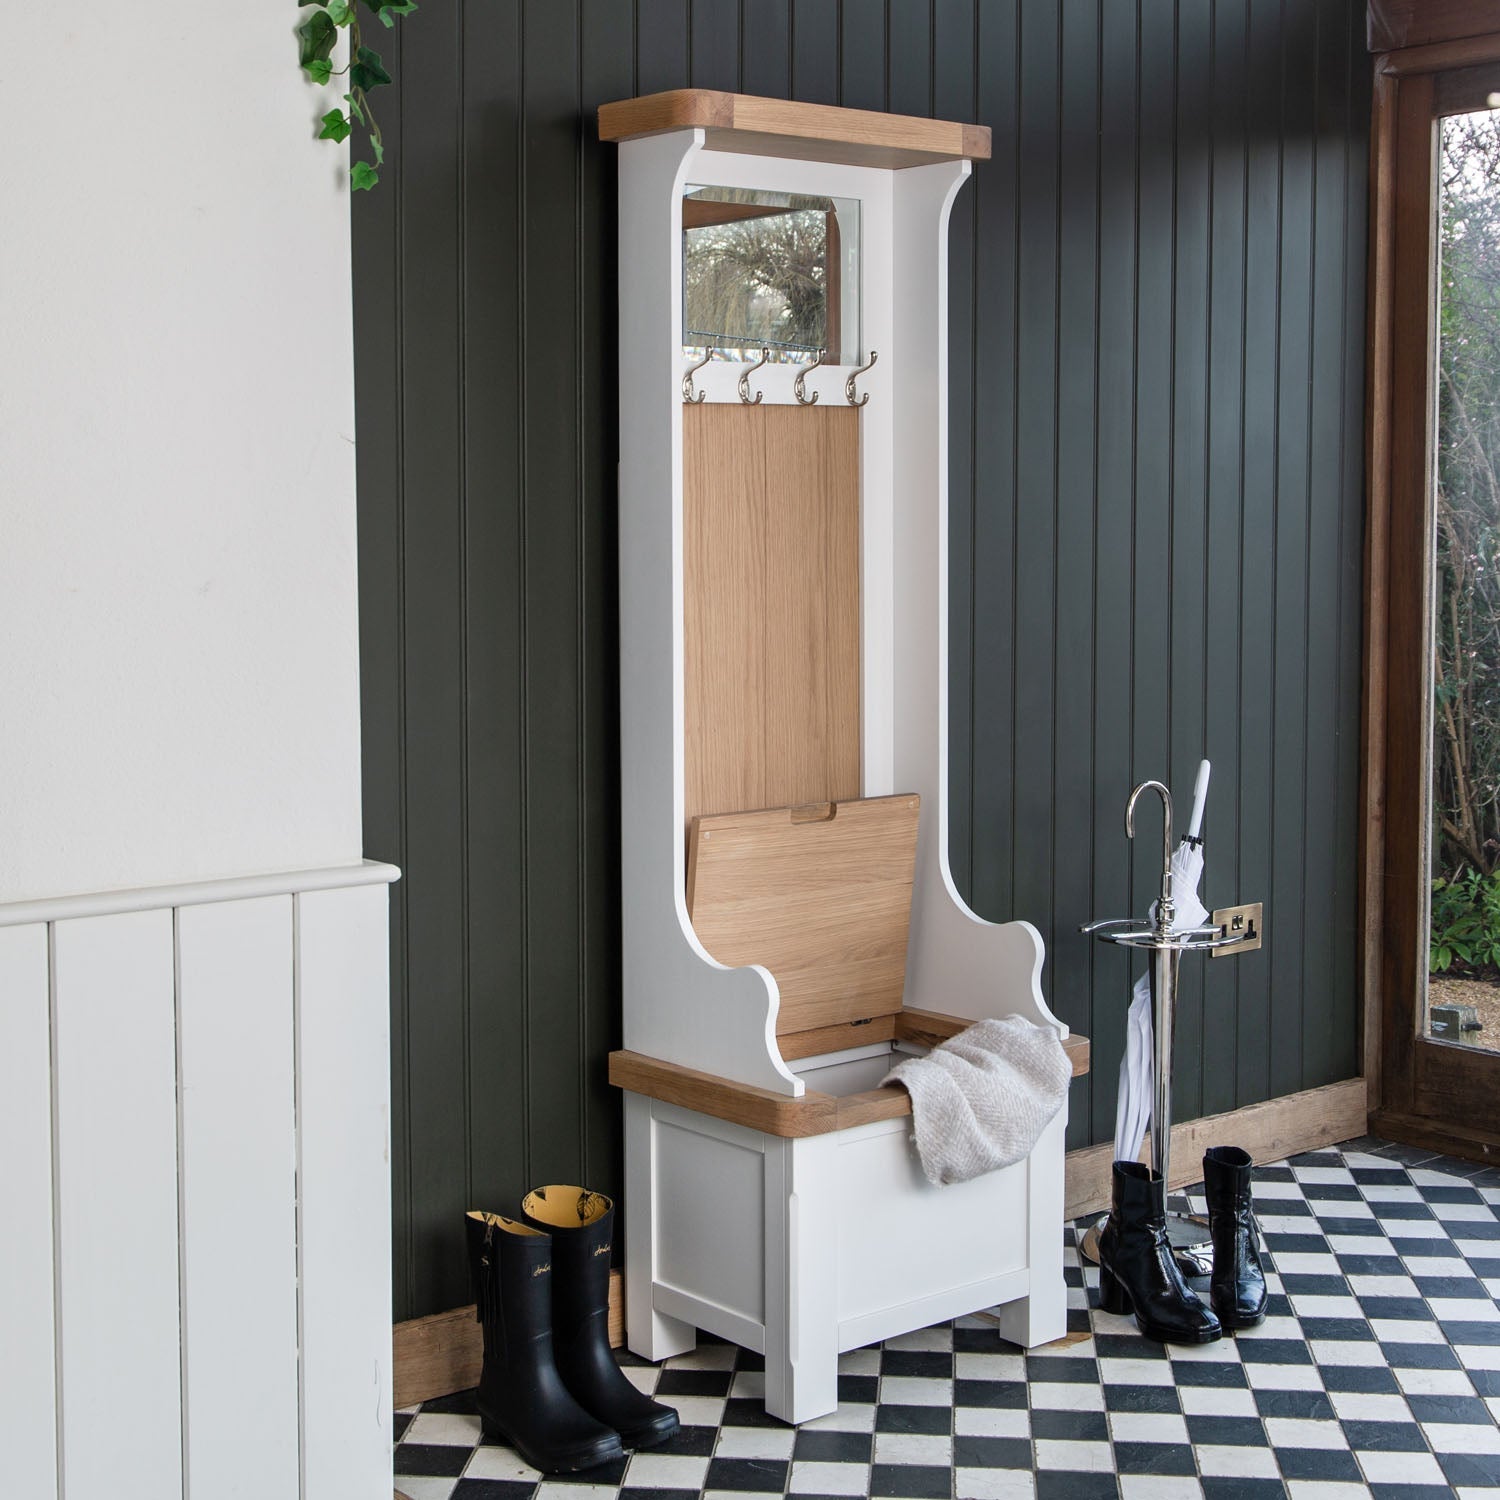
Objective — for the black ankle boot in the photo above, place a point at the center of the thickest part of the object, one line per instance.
(1136, 1268)
(1238, 1288)
(522, 1399)
(581, 1224)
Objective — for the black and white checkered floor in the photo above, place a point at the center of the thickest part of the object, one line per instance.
(1376, 1373)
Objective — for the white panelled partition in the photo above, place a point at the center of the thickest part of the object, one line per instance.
(196, 1257)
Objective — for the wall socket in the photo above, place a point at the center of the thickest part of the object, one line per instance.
(1244, 923)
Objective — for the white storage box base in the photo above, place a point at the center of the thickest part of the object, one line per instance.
(802, 1248)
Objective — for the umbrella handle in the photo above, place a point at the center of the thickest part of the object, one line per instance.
(1164, 907)
(1200, 796)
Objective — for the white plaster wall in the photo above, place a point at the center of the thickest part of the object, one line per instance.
(178, 649)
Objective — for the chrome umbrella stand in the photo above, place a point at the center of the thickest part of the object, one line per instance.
(1188, 1234)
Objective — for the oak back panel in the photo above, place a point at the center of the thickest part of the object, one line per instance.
(820, 895)
(771, 605)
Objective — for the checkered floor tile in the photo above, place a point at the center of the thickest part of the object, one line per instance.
(1376, 1373)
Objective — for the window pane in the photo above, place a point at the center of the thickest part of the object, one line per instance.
(1464, 986)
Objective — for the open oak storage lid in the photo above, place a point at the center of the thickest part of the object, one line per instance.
(753, 126)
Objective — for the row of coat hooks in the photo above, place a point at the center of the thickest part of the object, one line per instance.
(799, 385)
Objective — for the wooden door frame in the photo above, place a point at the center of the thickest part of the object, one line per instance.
(1449, 34)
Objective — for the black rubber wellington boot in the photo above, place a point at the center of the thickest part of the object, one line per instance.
(522, 1399)
(581, 1224)
(1136, 1268)
(1238, 1287)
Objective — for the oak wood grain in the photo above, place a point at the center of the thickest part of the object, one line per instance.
(724, 600)
(723, 1099)
(771, 602)
(788, 128)
(823, 901)
(1399, 24)
(811, 605)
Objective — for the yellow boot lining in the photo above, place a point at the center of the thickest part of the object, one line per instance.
(566, 1207)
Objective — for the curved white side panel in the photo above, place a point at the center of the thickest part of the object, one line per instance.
(679, 1005)
(956, 961)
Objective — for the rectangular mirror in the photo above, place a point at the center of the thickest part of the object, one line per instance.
(770, 270)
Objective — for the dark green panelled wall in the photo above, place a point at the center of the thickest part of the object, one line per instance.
(1157, 330)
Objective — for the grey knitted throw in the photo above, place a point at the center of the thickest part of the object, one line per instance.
(982, 1099)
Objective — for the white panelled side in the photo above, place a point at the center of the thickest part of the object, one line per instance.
(238, 1199)
(115, 1118)
(183, 1319)
(343, 1112)
(28, 1375)
(680, 1005)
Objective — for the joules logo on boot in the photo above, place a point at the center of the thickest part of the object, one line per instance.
(542, 1269)
(601, 1249)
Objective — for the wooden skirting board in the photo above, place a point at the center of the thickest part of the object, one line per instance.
(438, 1355)
(1270, 1131)
(1452, 1140)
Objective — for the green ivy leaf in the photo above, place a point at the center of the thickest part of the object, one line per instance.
(340, 12)
(320, 71)
(388, 10)
(367, 72)
(379, 150)
(316, 37)
(335, 126)
(362, 175)
(301, 3)
(355, 112)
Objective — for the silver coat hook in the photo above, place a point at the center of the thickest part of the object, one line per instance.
(687, 382)
(799, 387)
(765, 354)
(849, 395)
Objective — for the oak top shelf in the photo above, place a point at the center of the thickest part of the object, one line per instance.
(748, 125)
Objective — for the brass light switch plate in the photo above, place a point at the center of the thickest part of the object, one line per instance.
(1241, 922)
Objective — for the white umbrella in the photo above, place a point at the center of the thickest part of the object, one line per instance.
(1137, 1080)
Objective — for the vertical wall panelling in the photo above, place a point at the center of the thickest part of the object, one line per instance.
(344, 1260)
(238, 1195)
(1114, 550)
(490, 581)
(1253, 719)
(198, 1189)
(28, 1372)
(996, 190)
(1223, 506)
(1189, 425)
(1287, 885)
(1031, 727)
(434, 641)
(552, 509)
(1156, 338)
(765, 57)
(1072, 436)
(955, 25)
(119, 1353)
(604, 75)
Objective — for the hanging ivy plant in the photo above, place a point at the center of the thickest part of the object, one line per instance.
(317, 35)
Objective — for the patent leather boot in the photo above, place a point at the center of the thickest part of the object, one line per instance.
(1238, 1287)
(1136, 1269)
(581, 1224)
(522, 1399)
